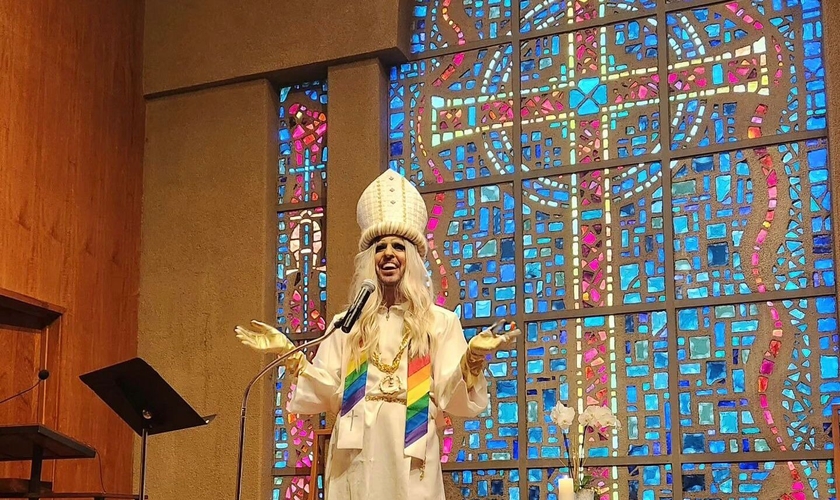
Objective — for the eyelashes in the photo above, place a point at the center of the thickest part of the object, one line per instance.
(397, 246)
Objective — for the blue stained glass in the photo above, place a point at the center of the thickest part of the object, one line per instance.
(744, 222)
(557, 340)
(456, 132)
(536, 16)
(508, 413)
(758, 480)
(783, 250)
(729, 422)
(650, 482)
(550, 283)
(474, 283)
(491, 484)
(779, 358)
(600, 102)
(829, 367)
(693, 443)
(500, 418)
(436, 25)
(740, 100)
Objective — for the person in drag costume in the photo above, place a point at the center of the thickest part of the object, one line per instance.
(404, 363)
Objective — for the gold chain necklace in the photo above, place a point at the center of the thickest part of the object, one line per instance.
(390, 383)
(391, 367)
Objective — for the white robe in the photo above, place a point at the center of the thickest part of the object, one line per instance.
(367, 460)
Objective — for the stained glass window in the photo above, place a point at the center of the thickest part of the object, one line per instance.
(489, 484)
(758, 480)
(590, 95)
(438, 24)
(290, 488)
(301, 271)
(746, 369)
(644, 187)
(742, 70)
(617, 362)
(451, 116)
(472, 250)
(594, 239)
(751, 221)
(493, 435)
(301, 279)
(540, 15)
(648, 482)
(302, 162)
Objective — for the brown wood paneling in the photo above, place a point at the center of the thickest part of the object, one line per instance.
(71, 145)
(21, 350)
(23, 358)
(30, 335)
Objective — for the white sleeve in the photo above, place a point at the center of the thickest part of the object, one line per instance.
(318, 388)
(449, 384)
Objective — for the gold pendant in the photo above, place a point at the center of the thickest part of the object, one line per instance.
(390, 384)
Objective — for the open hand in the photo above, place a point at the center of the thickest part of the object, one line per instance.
(488, 341)
(263, 337)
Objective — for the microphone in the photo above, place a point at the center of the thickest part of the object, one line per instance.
(355, 310)
(42, 375)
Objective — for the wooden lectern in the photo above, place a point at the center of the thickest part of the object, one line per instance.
(36, 443)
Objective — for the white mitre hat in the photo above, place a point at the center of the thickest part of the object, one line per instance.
(391, 206)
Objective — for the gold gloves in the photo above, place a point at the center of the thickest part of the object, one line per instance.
(266, 338)
(486, 342)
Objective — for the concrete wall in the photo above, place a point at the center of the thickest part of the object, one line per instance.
(206, 265)
(199, 42)
(358, 154)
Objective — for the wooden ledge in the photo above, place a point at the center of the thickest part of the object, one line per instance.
(21, 311)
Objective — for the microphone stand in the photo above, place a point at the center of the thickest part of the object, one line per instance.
(338, 323)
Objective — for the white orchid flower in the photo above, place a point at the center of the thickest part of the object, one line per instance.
(563, 416)
(599, 417)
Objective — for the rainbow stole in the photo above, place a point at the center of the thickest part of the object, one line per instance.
(417, 399)
(354, 383)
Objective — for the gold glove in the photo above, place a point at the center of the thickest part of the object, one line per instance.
(266, 338)
(485, 343)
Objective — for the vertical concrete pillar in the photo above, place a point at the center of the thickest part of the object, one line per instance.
(358, 114)
(207, 254)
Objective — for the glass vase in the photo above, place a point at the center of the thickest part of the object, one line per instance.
(586, 494)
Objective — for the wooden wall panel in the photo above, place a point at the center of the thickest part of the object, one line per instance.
(22, 358)
(19, 352)
(71, 145)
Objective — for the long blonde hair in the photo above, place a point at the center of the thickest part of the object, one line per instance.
(415, 288)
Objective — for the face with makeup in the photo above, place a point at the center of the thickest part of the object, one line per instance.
(390, 261)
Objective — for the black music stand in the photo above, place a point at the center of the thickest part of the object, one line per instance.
(144, 401)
